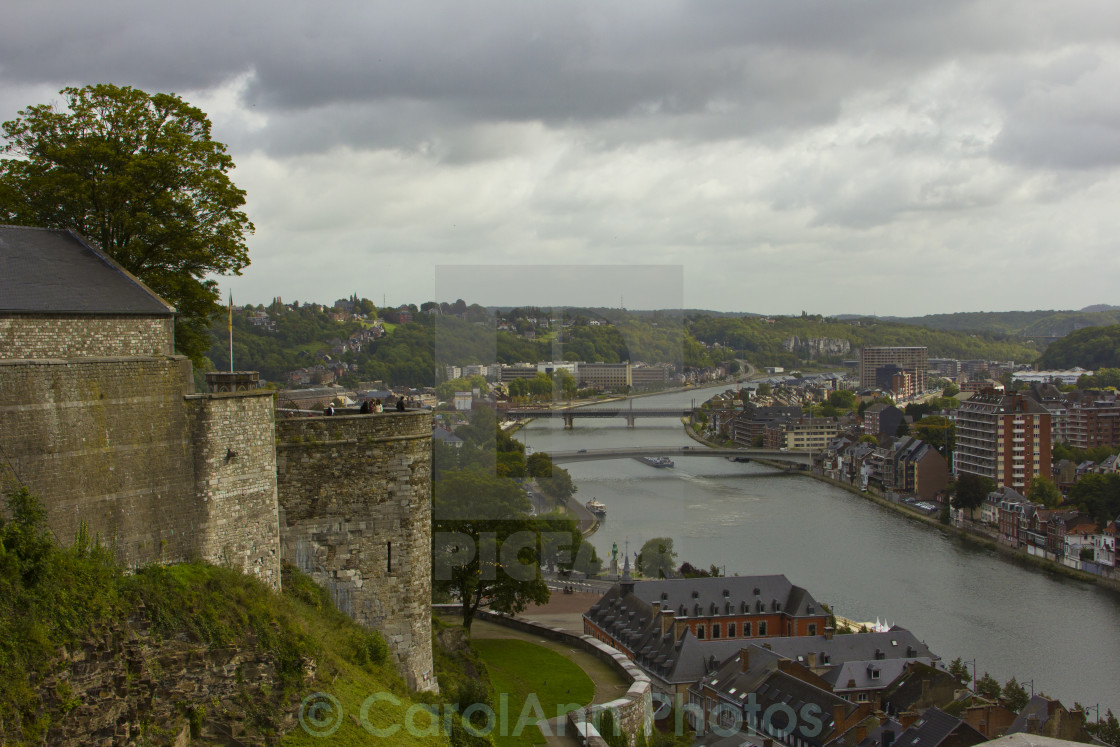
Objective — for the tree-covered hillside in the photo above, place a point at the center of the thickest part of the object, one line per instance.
(1092, 348)
(1026, 324)
(762, 338)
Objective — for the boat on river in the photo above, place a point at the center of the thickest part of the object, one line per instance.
(596, 507)
(657, 461)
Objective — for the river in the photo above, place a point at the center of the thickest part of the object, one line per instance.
(864, 560)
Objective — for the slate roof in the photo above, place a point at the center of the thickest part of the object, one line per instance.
(705, 592)
(51, 271)
(934, 727)
(867, 675)
(896, 643)
(766, 685)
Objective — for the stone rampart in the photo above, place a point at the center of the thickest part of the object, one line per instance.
(57, 336)
(355, 514)
(112, 443)
(235, 481)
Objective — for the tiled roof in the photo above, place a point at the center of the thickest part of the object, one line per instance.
(50, 271)
(733, 590)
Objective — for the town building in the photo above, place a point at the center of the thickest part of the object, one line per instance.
(803, 434)
(633, 616)
(1004, 437)
(607, 376)
(881, 419)
(878, 366)
(1093, 419)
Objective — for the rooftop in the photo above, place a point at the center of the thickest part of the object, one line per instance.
(54, 271)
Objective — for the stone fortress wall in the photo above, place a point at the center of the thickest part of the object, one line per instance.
(355, 514)
(99, 421)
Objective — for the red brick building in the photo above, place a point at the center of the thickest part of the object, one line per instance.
(634, 615)
(1004, 437)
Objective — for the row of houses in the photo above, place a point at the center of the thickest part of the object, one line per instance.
(755, 655)
(1065, 536)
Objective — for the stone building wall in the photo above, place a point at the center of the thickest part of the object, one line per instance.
(355, 514)
(235, 481)
(81, 336)
(115, 444)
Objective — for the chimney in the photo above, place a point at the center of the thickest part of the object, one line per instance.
(828, 631)
(680, 625)
(812, 659)
(907, 719)
(666, 620)
(861, 732)
(838, 719)
(744, 659)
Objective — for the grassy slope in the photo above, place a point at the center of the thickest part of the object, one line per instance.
(520, 669)
(54, 599)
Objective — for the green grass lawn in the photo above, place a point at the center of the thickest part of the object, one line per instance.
(522, 670)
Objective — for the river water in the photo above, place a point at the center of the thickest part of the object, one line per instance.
(865, 561)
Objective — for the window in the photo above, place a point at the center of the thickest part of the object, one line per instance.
(812, 628)
(730, 630)
(762, 628)
(746, 630)
(862, 698)
(700, 632)
(715, 631)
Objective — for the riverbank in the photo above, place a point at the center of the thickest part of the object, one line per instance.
(963, 534)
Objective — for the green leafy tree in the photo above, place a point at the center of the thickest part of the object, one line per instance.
(988, 687)
(563, 547)
(657, 558)
(485, 545)
(959, 669)
(538, 464)
(1013, 696)
(970, 492)
(140, 175)
(938, 432)
(1107, 729)
(1042, 490)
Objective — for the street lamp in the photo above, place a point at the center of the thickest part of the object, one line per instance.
(973, 663)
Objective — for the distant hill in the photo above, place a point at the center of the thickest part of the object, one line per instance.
(787, 341)
(1091, 348)
(1040, 325)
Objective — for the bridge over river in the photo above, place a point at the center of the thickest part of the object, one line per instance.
(630, 413)
(585, 455)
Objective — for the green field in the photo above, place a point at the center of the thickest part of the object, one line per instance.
(522, 671)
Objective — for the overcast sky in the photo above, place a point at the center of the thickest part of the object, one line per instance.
(834, 157)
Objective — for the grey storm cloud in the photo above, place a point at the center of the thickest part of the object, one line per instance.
(388, 72)
(870, 134)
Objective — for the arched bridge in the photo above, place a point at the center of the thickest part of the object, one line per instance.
(631, 414)
(587, 455)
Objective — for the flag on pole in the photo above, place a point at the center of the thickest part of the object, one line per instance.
(231, 330)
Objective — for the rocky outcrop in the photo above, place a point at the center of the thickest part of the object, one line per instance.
(130, 688)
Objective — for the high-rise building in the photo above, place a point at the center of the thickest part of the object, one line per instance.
(1093, 420)
(879, 365)
(1005, 437)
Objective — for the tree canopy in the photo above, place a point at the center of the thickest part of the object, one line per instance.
(140, 175)
(970, 492)
(1092, 348)
(657, 558)
(485, 545)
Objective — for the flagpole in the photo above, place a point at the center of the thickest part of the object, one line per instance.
(231, 330)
